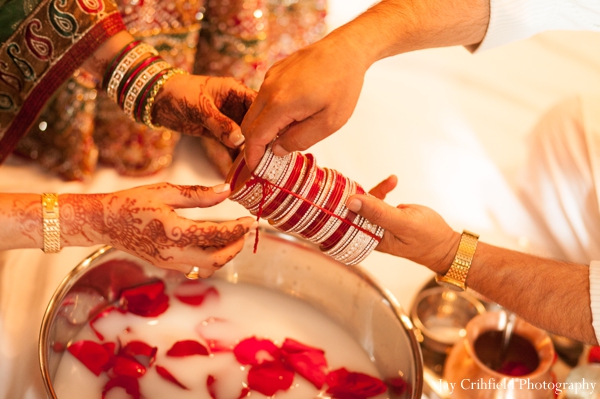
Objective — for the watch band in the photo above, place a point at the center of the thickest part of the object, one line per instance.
(51, 223)
(456, 276)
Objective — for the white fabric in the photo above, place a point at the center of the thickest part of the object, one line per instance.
(561, 182)
(512, 20)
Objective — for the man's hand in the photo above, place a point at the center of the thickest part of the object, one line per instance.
(305, 97)
(413, 232)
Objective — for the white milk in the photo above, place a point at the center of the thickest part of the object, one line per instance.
(241, 311)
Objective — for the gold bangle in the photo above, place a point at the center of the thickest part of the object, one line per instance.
(147, 118)
(50, 223)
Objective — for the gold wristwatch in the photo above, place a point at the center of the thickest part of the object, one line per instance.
(456, 276)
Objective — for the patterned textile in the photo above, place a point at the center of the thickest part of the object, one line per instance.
(43, 50)
(268, 30)
(243, 39)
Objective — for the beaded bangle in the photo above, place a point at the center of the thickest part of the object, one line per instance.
(110, 69)
(140, 79)
(141, 101)
(147, 103)
(130, 77)
(124, 61)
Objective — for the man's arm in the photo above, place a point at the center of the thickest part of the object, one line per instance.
(313, 92)
(550, 294)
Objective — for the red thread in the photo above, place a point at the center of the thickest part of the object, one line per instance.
(267, 189)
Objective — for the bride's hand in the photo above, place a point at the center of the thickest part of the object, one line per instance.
(142, 221)
(202, 105)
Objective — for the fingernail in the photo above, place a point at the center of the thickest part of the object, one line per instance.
(354, 204)
(236, 137)
(254, 225)
(221, 188)
(279, 150)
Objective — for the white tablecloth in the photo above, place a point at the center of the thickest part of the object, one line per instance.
(450, 125)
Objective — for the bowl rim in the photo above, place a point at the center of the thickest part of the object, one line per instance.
(423, 329)
(68, 281)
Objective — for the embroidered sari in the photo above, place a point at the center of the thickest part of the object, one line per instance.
(43, 43)
(81, 127)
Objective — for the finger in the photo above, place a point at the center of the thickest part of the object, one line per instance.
(304, 134)
(253, 111)
(209, 260)
(376, 211)
(178, 233)
(385, 187)
(272, 120)
(181, 196)
(217, 154)
(223, 128)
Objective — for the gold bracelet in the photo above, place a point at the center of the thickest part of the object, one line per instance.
(147, 117)
(51, 223)
(456, 277)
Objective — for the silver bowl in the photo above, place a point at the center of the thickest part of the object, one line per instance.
(441, 316)
(346, 294)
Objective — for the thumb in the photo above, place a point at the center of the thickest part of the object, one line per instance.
(376, 211)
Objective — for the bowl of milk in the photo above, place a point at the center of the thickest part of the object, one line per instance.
(189, 335)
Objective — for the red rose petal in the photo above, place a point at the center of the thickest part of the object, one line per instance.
(138, 349)
(100, 315)
(307, 361)
(594, 354)
(131, 386)
(351, 385)
(148, 300)
(256, 351)
(194, 292)
(128, 367)
(187, 348)
(270, 377)
(245, 393)
(397, 385)
(110, 349)
(93, 355)
(210, 380)
(164, 373)
(112, 277)
(58, 346)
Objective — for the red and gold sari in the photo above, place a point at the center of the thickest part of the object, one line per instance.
(41, 51)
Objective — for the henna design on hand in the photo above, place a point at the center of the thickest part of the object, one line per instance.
(186, 191)
(29, 218)
(216, 109)
(179, 115)
(234, 104)
(123, 223)
(78, 212)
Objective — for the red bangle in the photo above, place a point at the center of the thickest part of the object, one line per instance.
(131, 75)
(115, 61)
